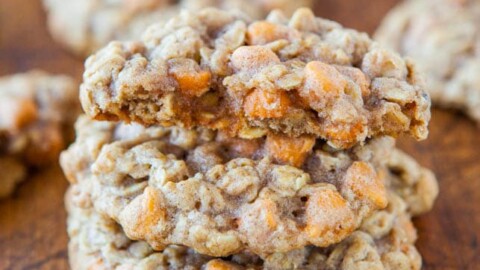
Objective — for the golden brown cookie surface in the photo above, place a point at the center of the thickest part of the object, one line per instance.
(303, 76)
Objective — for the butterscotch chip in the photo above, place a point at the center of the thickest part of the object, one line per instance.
(443, 37)
(83, 26)
(340, 221)
(222, 196)
(364, 181)
(303, 76)
(384, 241)
(37, 111)
(287, 150)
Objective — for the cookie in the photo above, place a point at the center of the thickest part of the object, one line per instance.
(443, 37)
(305, 76)
(37, 112)
(221, 196)
(384, 241)
(84, 26)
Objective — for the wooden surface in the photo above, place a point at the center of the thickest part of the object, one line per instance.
(32, 222)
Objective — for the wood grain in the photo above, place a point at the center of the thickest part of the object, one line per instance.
(32, 221)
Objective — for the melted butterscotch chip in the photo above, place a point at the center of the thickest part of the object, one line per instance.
(299, 77)
(37, 112)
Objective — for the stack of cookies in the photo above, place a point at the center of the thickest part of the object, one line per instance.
(217, 142)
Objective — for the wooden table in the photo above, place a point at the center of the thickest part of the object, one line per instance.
(32, 221)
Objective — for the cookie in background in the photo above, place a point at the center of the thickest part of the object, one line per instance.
(443, 37)
(97, 22)
(37, 112)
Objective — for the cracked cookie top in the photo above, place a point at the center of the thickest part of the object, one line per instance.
(443, 36)
(84, 26)
(222, 196)
(303, 76)
(37, 112)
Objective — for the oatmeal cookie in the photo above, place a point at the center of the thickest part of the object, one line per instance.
(301, 77)
(384, 241)
(220, 195)
(37, 111)
(84, 26)
(443, 36)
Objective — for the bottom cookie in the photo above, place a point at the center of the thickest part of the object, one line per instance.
(384, 241)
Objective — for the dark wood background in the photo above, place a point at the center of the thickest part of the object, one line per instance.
(32, 221)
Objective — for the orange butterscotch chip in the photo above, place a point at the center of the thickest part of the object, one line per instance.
(266, 104)
(364, 182)
(193, 83)
(344, 133)
(219, 265)
(264, 32)
(152, 213)
(268, 213)
(253, 57)
(289, 150)
(328, 217)
(263, 213)
(15, 113)
(322, 80)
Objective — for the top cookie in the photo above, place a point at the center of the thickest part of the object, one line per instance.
(303, 76)
(84, 26)
(443, 36)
